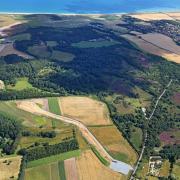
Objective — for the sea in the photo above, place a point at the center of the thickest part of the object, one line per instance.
(88, 6)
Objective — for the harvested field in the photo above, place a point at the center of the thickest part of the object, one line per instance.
(71, 169)
(86, 110)
(9, 167)
(7, 49)
(152, 16)
(151, 48)
(162, 41)
(2, 86)
(89, 167)
(115, 143)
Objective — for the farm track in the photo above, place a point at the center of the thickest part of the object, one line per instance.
(145, 134)
(115, 165)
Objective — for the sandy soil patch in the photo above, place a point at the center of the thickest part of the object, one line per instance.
(7, 49)
(71, 169)
(2, 86)
(7, 171)
(114, 142)
(86, 110)
(151, 48)
(42, 102)
(152, 16)
(89, 167)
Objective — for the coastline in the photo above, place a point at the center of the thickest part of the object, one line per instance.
(88, 14)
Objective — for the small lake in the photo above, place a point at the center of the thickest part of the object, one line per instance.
(88, 6)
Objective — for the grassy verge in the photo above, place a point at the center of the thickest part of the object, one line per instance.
(62, 174)
(104, 161)
(54, 105)
(54, 158)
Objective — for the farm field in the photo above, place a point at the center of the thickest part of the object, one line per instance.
(89, 167)
(115, 143)
(53, 104)
(9, 167)
(8, 49)
(84, 109)
(95, 43)
(7, 20)
(151, 48)
(164, 171)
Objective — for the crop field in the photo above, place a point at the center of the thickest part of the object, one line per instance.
(54, 105)
(51, 159)
(71, 169)
(95, 44)
(86, 110)
(7, 20)
(9, 49)
(21, 37)
(115, 143)
(89, 167)
(62, 56)
(52, 167)
(151, 48)
(9, 167)
(162, 41)
(43, 172)
(22, 83)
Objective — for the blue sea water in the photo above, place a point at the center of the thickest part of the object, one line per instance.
(88, 6)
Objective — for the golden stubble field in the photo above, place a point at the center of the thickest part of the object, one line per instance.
(9, 167)
(84, 109)
(90, 168)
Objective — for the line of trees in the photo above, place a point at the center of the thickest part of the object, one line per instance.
(39, 152)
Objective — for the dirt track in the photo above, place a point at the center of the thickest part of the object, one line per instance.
(32, 107)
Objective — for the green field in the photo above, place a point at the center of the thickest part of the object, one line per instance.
(94, 44)
(136, 137)
(61, 170)
(21, 84)
(50, 159)
(21, 37)
(54, 105)
(62, 56)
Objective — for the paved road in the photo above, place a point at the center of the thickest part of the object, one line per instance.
(115, 165)
(145, 139)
